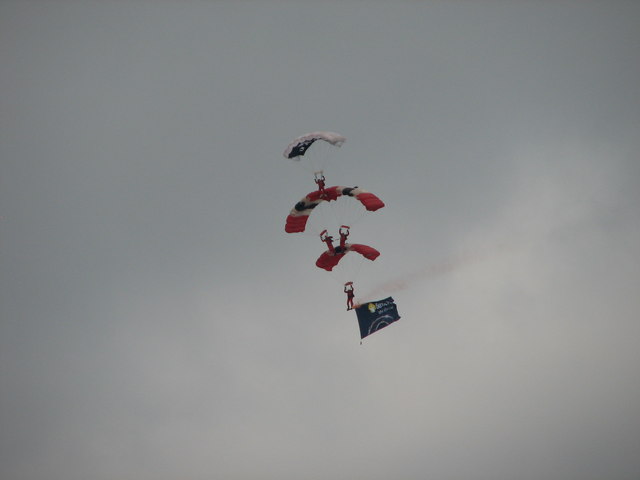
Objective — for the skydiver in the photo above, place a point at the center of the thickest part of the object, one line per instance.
(344, 233)
(319, 179)
(348, 289)
(328, 239)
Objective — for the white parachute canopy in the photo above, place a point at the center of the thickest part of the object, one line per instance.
(300, 145)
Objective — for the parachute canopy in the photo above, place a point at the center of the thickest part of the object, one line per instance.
(301, 144)
(297, 219)
(328, 260)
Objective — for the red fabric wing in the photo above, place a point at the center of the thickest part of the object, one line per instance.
(328, 261)
(366, 251)
(297, 219)
(295, 223)
(370, 201)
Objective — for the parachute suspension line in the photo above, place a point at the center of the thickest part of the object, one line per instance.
(350, 209)
(349, 268)
(358, 267)
(333, 212)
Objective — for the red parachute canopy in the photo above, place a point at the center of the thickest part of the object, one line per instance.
(297, 219)
(329, 260)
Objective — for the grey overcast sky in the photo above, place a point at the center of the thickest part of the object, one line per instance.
(157, 323)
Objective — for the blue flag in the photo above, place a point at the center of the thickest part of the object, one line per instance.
(372, 316)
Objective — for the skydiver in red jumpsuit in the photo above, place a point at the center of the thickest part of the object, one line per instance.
(348, 289)
(344, 233)
(319, 179)
(328, 239)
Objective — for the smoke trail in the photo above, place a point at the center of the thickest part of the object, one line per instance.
(552, 233)
(434, 270)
